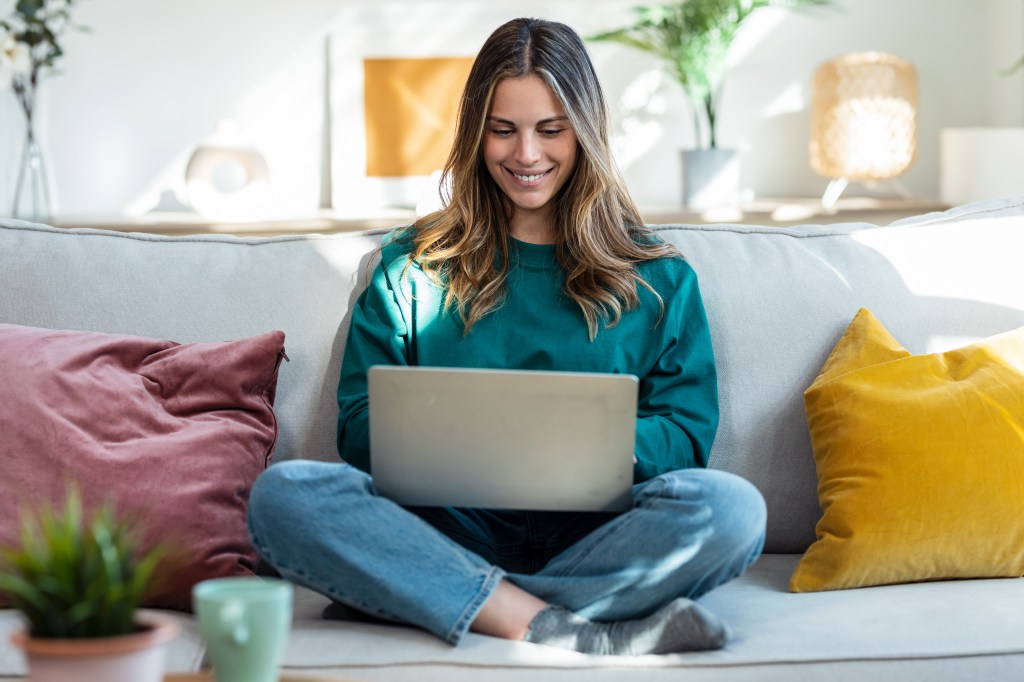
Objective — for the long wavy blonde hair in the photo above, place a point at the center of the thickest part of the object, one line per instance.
(601, 237)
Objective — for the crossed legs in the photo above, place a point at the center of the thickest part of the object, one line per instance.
(323, 526)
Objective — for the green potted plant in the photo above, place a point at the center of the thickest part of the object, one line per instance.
(78, 581)
(692, 38)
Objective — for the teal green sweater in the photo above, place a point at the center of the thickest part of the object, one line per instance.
(400, 321)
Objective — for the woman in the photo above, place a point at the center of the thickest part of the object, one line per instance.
(538, 261)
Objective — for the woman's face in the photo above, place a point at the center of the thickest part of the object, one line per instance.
(530, 150)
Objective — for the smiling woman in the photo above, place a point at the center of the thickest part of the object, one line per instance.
(539, 261)
(530, 151)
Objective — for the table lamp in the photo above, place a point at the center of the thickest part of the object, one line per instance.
(863, 121)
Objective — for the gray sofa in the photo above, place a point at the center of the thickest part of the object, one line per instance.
(777, 299)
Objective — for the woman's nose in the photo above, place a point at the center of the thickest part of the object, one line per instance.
(527, 149)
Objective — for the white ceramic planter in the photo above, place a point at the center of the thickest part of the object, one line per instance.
(711, 178)
(138, 657)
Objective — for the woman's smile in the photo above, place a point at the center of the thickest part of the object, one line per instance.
(529, 179)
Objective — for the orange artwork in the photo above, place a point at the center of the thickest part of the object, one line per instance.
(411, 107)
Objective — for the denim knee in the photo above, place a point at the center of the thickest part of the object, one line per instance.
(742, 516)
(270, 500)
(734, 509)
(291, 497)
(271, 493)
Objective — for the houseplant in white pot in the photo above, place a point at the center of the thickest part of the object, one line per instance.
(78, 581)
(692, 38)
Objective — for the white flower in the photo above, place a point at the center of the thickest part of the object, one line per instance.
(15, 58)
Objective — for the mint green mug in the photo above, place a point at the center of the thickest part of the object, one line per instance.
(244, 623)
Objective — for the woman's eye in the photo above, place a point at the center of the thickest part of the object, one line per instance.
(551, 132)
(501, 132)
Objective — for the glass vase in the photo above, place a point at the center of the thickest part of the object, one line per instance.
(32, 187)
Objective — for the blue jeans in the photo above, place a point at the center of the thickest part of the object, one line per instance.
(323, 526)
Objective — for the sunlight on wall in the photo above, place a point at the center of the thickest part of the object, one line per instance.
(637, 133)
(760, 24)
(793, 97)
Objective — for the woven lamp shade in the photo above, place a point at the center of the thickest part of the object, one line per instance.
(863, 116)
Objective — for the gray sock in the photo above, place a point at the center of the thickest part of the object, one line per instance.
(682, 625)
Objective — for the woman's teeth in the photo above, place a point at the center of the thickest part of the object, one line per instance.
(529, 178)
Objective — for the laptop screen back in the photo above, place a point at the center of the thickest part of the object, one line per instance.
(502, 439)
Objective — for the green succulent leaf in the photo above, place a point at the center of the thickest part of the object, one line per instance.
(76, 576)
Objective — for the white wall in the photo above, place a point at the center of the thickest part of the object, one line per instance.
(154, 77)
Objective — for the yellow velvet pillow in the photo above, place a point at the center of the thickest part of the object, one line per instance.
(920, 462)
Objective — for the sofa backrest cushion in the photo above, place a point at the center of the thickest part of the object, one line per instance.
(778, 299)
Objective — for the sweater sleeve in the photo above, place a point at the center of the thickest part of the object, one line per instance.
(677, 415)
(378, 336)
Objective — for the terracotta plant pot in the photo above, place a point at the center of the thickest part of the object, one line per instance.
(138, 657)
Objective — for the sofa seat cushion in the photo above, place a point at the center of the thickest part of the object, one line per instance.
(939, 630)
(771, 626)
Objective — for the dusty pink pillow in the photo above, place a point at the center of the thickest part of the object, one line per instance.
(173, 434)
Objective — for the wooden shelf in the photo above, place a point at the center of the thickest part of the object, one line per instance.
(771, 212)
(788, 212)
(190, 223)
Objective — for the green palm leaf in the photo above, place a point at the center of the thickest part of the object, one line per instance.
(692, 39)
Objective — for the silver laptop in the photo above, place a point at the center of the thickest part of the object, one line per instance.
(502, 439)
